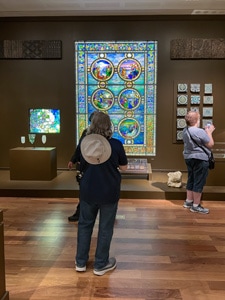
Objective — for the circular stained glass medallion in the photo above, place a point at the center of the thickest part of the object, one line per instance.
(129, 99)
(102, 69)
(129, 128)
(102, 99)
(129, 69)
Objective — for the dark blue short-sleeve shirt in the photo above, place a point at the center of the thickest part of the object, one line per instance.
(100, 183)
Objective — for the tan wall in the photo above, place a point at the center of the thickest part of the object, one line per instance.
(26, 84)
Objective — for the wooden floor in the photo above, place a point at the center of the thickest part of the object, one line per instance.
(163, 252)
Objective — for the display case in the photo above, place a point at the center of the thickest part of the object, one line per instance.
(33, 163)
(138, 168)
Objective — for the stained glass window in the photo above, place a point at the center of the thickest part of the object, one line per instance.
(119, 78)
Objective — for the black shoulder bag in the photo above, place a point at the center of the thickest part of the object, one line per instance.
(210, 156)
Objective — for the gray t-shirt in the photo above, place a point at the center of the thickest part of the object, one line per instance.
(191, 150)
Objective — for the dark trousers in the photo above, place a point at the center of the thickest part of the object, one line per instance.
(88, 215)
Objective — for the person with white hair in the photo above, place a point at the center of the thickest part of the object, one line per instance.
(101, 158)
(197, 149)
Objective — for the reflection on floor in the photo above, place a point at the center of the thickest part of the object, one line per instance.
(65, 186)
(163, 252)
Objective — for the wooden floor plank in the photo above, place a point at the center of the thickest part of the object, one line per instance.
(163, 251)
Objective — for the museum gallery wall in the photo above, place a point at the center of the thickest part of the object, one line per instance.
(49, 82)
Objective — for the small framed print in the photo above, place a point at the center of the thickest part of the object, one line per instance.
(181, 111)
(179, 135)
(195, 87)
(208, 88)
(207, 99)
(181, 123)
(182, 87)
(194, 108)
(206, 121)
(195, 99)
(207, 112)
(182, 99)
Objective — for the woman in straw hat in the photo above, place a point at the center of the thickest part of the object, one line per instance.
(101, 158)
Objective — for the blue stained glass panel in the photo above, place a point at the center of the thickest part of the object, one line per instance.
(120, 79)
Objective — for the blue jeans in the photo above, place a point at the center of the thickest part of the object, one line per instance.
(197, 174)
(88, 214)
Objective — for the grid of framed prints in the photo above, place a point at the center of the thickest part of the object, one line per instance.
(192, 96)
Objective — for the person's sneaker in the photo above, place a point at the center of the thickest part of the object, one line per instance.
(199, 209)
(80, 268)
(73, 218)
(110, 266)
(187, 204)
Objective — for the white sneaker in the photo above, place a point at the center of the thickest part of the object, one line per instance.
(110, 266)
(199, 209)
(80, 268)
(187, 204)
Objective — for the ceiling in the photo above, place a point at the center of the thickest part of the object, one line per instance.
(29, 8)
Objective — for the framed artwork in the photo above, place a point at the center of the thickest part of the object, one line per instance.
(195, 87)
(182, 87)
(194, 108)
(208, 88)
(206, 121)
(181, 111)
(180, 135)
(181, 123)
(207, 99)
(119, 78)
(44, 120)
(182, 99)
(207, 112)
(195, 99)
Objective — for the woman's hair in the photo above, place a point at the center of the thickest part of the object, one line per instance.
(192, 118)
(100, 124)
(91, 116)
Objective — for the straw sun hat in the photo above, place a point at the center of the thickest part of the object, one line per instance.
(95, 149)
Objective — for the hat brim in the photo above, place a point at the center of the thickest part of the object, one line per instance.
(88, 145)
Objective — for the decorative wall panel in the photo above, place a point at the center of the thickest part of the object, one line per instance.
(195, 96)
(197, 49)
(30, 49)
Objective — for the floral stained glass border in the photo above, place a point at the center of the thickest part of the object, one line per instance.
(120, 79)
